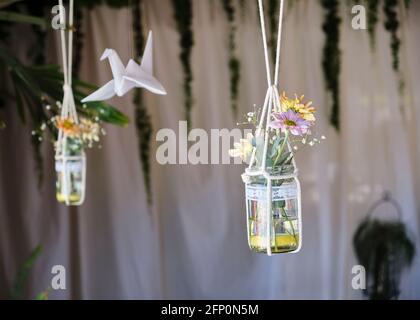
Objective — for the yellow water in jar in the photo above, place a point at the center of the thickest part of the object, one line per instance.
(280, 243)
(73, 198)
(74, 195)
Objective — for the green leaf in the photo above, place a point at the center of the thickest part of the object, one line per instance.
(22, 18)
(23, 273)
(2, 124)
(286, 156)
(36, 86)
(43, 296)
(6, 3)
(276, 146)
(19, 102)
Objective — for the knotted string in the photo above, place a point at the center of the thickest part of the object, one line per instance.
(272, 97)
(272, 104)
(68, 105)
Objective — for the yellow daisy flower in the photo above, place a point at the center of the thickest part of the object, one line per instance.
(305, 110)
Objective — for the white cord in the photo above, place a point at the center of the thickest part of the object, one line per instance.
(71, 15)
(277, 68)
(63, 40)
(264, 36)
(68, 105)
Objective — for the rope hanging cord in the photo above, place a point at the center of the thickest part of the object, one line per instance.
(68, 111)
(272, 104)
(68, 106)
(272, 98)
(265, 44)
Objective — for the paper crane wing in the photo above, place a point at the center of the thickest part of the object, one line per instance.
(147, 59)
(141, 79)
(104, 93)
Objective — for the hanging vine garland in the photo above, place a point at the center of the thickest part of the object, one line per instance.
(242, 5)
(373, 19)
(183, 17)
(332, 57)
(273, 6)
(78, 41)
(392, 25)
(234, 63)
(142, 117)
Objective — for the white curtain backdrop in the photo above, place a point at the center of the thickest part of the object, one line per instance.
(193, 244)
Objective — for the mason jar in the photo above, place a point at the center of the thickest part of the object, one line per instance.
(273, 224)
(70, 167)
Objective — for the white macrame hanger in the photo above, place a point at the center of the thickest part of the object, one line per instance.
(272, 98)
(272, 104)
(68, 106)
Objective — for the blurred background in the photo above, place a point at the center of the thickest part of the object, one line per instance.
(148, 231)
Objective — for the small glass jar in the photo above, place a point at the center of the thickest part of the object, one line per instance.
(283, 224)
(70, 166)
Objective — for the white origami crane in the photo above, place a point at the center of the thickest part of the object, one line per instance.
(133, 76)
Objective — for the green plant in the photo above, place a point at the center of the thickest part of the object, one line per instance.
(332, 57)
(35, 91)
(392, 25)
(23, 273)
(183, 17)
(234, 63)
(78, 40)
(273, 13)
(242, 5)
(385, 250)
(142, 117)
(373, 19)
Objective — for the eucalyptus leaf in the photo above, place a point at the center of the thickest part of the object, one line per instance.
(284, 158)
(275, 147)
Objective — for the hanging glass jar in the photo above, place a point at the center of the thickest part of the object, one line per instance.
(273, 192)
(70, 157)
(70, 166)
(273, 213)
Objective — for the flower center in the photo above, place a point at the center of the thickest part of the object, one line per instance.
(290, 123)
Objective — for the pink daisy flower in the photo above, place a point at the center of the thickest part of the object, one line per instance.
(290, 121)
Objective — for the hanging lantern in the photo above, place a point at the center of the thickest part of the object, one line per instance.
(70, 158)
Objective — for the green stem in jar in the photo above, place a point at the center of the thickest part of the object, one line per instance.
(281, 149)
(284, 214)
